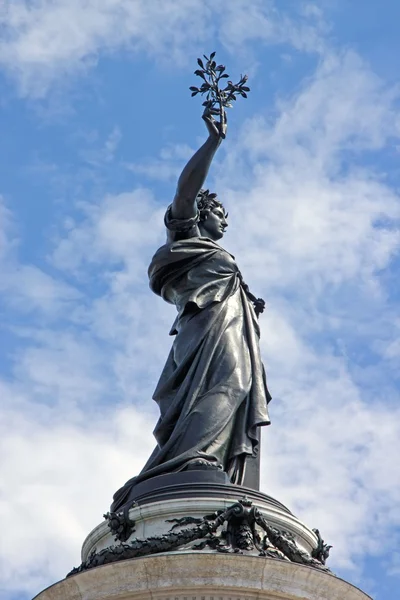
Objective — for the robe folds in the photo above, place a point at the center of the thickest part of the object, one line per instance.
(212, 392)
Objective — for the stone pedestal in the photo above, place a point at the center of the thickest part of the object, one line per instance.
(181, 502)
(196, 576)
(195, 540)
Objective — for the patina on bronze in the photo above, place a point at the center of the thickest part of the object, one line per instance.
(212, 393)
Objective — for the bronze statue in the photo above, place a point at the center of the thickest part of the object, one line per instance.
(212, 393)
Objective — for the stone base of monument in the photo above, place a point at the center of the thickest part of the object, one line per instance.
(197, 576)
(193, 536)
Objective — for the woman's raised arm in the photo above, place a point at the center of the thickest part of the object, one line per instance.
(193, 175)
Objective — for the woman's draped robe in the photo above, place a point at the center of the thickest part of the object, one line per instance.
(212, 392)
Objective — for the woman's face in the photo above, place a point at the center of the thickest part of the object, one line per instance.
(215, 224)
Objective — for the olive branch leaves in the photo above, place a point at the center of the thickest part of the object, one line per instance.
(217, 98)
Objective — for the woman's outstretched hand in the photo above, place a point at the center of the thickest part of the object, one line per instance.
(216, 129)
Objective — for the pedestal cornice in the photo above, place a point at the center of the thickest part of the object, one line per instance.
(190, 576)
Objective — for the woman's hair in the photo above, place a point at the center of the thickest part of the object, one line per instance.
(206, 202)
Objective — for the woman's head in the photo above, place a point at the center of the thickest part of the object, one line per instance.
(212, 215)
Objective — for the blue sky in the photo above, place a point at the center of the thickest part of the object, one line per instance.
(97, 122)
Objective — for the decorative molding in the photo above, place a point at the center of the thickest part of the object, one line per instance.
(321, 552)
(120, 524)
(241, 528)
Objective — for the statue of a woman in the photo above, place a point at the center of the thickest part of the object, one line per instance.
(212, 392)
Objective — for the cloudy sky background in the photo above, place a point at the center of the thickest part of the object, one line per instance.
(96, 123)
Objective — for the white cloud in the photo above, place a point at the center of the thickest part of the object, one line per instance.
(32, 289)
(98, 156)
(58, 480)
(5, 226)
(344, 106)
(331, 455)
(309, 206)
(46, 40)
(167, 167)
(25, 287)
(123, 229)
